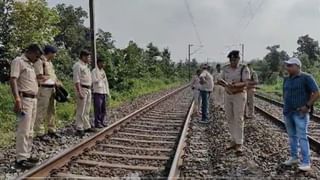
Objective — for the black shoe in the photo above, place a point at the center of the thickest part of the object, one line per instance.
(54, 135)
(80, 133)
(45, 138)
(25, 164)
(99, 126)
(33, 160)
(90, 130)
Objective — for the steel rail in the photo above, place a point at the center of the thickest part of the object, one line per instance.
(280, 104)
(177, 161)
(315, 145)
(42, 171)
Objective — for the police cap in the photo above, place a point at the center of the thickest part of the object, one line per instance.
(234, 54)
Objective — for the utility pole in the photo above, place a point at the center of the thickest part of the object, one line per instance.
(242, 49)
(189, 60)
(92, 34)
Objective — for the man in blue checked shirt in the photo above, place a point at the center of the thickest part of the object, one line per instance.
(300, 91)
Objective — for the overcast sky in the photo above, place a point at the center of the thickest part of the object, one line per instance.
(221, 24)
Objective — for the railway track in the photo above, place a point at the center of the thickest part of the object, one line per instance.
(147, 143)
(314, 128)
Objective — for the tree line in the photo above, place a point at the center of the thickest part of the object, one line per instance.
(271, 66)
(34, 21)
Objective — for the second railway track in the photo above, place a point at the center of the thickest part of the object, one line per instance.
(147, 144)
(275, 113)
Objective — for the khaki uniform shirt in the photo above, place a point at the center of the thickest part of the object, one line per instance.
(231, 75)
(217, 76)
(208, 79)
(23, 70)
(100, 82)
(81, 73)
(254, 77)
(45, 67)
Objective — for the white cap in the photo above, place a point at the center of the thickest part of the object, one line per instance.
(295, 61)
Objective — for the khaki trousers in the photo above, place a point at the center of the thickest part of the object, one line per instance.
(83, 110)
(25, 123)
(45, 111)
(218, 95)
(234, 107)
(250, 103)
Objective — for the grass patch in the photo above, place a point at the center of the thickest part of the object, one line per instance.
(65, 112)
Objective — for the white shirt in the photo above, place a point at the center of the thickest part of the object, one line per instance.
(81, 74)
(208, 81)
(100, 82)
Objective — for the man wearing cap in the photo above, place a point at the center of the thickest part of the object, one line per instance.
(251, 89)
(47, 81)
(24, 88)
(234, 78)
(300, 91)
(82, 81)
(218, 89)
(100, 93)
(206, 87)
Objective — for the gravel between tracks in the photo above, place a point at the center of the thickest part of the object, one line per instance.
(52, 146)
(265, 148)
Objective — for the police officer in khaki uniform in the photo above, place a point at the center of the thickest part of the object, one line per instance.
(24, 87)
(82, 80)
(47, 81)
(218, 90)
(234, 79)
(251, 89)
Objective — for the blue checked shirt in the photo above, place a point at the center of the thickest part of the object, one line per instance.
(297, 91)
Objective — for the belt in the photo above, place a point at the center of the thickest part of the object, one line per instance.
(86, 86)
(47, 85)
(26, 95)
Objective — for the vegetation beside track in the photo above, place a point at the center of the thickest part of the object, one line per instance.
(132, 71)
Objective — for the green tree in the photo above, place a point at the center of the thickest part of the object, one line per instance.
(273, 61)
(32, 21)
(310, 47)
(73, 35)
(5, 28)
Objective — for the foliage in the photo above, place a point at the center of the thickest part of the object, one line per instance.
(34, 22)
(309, 50)
(5, 27)
(7, 117)
(73, 35)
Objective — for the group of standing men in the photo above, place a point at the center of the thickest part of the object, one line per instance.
(233, 89)
(34, 82)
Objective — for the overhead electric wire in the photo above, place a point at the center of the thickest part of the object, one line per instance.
(254, 14)
(193, 21)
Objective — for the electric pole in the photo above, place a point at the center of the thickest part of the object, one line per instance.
(242, 49)
(189, 60)
(92, 34)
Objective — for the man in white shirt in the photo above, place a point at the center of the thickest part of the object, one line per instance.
(100, 93)
(206, 87)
